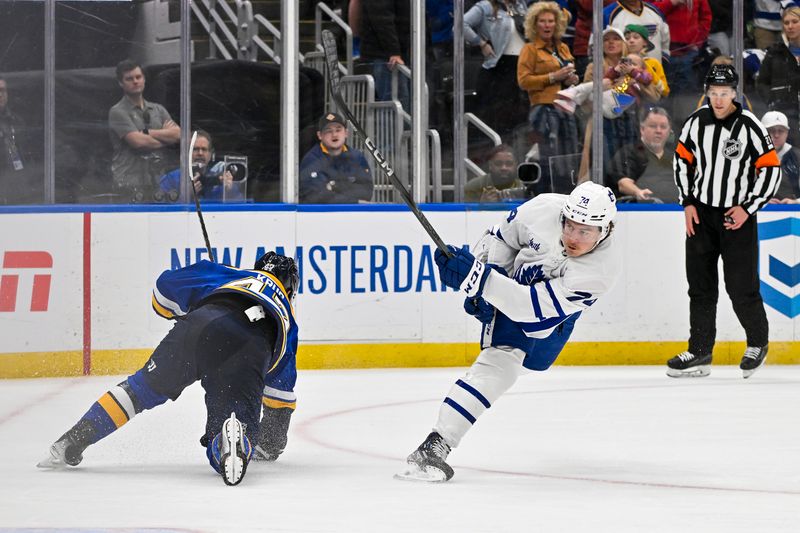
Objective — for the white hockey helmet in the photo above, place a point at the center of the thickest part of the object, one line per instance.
(591, 204)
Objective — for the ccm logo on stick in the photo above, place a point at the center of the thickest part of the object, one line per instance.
(9, 282)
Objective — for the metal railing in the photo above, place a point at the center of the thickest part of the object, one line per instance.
(215, 17)
(323, 9)
(384, 122)
(387, 136)
(470, 118)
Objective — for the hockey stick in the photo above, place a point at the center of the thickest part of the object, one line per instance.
(332, 64)
(196, 201)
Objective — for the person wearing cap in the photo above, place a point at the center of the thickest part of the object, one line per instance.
(331, 172)
(778, 127)
(726, 169)
(621, 13)
(638, 40)
(624, 129)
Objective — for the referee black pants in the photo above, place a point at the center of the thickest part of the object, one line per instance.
(739, 252)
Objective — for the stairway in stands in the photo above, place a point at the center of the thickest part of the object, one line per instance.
(270, 10)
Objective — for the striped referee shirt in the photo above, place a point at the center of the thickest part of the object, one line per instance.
(728, 162)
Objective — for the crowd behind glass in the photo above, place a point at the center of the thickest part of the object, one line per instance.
(528, 75)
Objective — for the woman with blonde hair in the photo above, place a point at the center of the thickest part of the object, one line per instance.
(545, 67)
(778, 81)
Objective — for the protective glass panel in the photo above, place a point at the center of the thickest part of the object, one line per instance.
(117, 101)
(21, 103)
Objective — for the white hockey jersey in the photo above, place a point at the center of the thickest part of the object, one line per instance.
(544, 286)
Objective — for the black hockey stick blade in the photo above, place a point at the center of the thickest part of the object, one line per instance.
(332, 64)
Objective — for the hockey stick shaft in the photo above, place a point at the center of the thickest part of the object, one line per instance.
(196, 200)
(332, 64)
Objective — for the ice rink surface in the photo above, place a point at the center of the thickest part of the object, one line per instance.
(573, 449)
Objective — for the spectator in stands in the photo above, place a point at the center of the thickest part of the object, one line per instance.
(638, 40)
(209, 181)
(720, 35)
(497, 27)
(14, 160)
(623, 86)
(623, 12)
(624, 129)
(767, 18)
(689, 23)
(385, 30)
(778, 127)
(778, 81)
(545, 67)
(332, 173)
(500, 183)
(642, 171)
(583, 28)
(141, 132)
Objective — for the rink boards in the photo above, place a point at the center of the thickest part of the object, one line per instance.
(75, 285)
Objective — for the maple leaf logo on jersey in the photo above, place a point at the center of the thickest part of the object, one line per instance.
(529, 274)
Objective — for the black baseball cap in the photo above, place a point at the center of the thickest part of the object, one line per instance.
(331, 118)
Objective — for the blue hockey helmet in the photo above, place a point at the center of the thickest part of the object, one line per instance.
(282, 267)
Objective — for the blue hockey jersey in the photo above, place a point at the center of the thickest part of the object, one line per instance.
(178, 292)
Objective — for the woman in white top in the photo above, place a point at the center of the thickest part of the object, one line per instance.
(496, 26)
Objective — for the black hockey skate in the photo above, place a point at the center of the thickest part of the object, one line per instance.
(687, 364)
(427, 463)
(64, 452)
(752, 360)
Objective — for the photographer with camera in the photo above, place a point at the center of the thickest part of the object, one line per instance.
(331, 172)
(212, 183)
(500, 183)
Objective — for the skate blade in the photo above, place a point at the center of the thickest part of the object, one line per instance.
(232, 464)
(50, 463)
(695, 372)
(425, 474)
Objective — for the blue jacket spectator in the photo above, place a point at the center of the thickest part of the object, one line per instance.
(332, 173)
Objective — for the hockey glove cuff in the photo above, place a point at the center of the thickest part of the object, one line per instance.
(462, 271)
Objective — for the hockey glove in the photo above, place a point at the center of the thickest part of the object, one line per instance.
(272, 433)
(462, 271)
(480, 309)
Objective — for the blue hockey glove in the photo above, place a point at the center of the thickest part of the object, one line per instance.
(480, 309)
(462, 271)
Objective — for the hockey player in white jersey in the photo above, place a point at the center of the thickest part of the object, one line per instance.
(528, 282)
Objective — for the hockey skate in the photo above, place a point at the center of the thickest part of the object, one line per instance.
(687, 364)
(64, 452)
(231, 451)
(427, 463)
(753, 358)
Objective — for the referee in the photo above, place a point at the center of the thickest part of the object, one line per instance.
(726, 170)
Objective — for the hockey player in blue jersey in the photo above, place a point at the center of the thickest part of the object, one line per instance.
(236, 333)
(528, 282)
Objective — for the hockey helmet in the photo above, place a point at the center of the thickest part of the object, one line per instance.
(282, 267)
(591, 204)
(724, 75)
